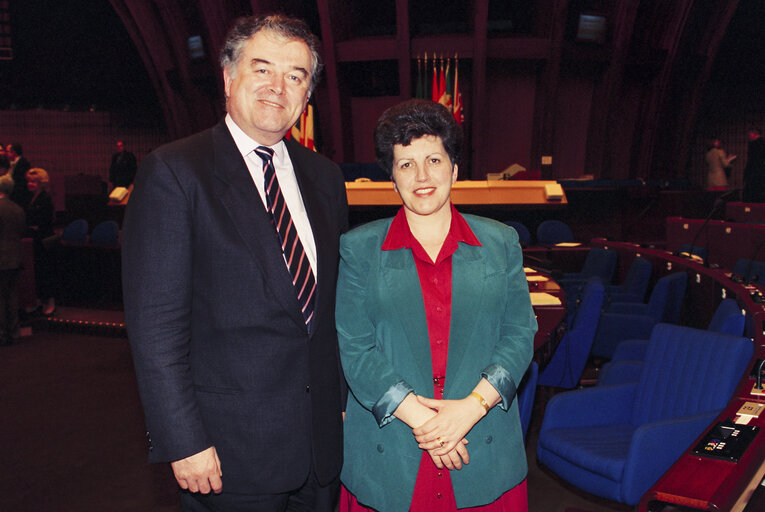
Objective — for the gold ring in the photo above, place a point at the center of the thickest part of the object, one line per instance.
(440, 441)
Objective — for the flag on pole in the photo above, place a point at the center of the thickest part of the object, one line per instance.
(435, 91)
(419, 93)
(457, 108)
(302, 132)
(446, 87)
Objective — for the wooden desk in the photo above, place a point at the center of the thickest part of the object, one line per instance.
(550, 318)
(500, 192)
(701, 483)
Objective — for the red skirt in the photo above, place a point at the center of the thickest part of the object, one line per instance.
(433, 493)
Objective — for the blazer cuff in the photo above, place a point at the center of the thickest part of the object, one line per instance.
(384, 408)
(502, 382)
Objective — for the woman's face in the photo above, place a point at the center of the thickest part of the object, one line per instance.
(423, 175)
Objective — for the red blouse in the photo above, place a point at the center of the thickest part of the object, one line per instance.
(433, 489)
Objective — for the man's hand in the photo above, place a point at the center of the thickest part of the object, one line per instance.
(199, 472)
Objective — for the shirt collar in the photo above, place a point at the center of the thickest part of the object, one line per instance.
(400, 236)
(246, 145)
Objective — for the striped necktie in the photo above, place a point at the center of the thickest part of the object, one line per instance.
(294, 254)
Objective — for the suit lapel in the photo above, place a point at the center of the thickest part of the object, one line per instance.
(399, 274)
(241, 200)
(468, 281)
(315, 202)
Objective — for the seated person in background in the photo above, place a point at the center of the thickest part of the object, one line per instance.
(40, 227)
(13, 225)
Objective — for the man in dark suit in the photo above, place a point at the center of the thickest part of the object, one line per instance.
(240, 383)
(122, 168)
(19, 167)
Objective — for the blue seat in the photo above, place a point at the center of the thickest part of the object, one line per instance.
(628, 320)
(76, 231)
(105, 233)
(600, 263)
(635, 284)
(552, 231)
(524, 235)
(625, 365)
(570, 357)
(616, 441)
(526, 393)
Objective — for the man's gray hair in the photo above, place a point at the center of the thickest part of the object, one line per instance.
(282, 26)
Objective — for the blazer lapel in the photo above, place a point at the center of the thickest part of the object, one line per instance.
(468, 281)
(315, 201)
(399, 274)
(241, 200)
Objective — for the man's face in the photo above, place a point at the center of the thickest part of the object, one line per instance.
(267, 89)
(120, 146)
(10, 152)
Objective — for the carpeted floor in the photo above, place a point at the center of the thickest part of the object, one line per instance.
(72, 434)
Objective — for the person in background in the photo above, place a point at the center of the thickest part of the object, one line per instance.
(717, 163)
(39, 228)
(123, 167)
(754, 172)
(19, 167)
(230, 253)
(12, 226)
(436, 331)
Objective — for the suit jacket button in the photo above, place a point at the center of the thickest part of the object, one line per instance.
(308, 389)
(380, 448)
(489, 439)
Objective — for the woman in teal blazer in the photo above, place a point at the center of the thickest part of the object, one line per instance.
(408, 287)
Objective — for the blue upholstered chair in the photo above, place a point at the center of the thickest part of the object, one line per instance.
(526, 393)
(524, 235)
(751, 271)
(626, 321)
(567, 363)
(626, 363)
(554, 231)
(76, 231)
(105, 233)
(616, 441)
(635, 284)
(600, 263)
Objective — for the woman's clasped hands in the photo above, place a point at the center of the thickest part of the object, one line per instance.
(443, 435)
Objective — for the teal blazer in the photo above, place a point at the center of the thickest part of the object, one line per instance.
(385, 354)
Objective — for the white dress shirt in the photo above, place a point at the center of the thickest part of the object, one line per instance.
(285, 173)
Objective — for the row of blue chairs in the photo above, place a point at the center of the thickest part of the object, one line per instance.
(664, 385)
(105, 233)
(549, 232)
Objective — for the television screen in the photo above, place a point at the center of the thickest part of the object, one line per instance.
(591, 28)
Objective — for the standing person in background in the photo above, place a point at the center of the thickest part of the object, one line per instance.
(754, 172)
(39, 227)
(12, 225)
(123, 167)
(436, 331)
(19, 168)
(717, 163)
(230, 253)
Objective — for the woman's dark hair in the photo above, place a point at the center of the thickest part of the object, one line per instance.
(411, 120)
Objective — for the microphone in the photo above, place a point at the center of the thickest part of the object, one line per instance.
(718, 202)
